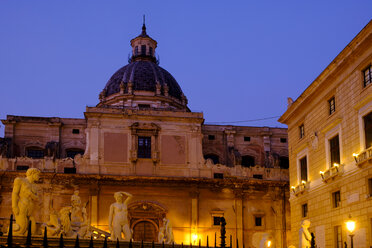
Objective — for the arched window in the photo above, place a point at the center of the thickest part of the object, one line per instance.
(284, 162)
(72, 152)
(34, 152)
(213, 157)
(247, 161)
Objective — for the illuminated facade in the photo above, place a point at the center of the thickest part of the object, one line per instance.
(143, 139)
(330, 139)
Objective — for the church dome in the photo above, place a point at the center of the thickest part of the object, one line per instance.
(145, 76)
(143, 82)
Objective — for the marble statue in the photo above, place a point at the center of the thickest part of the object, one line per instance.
(70, 220)
(118, 217)
(305, 236)
(74, 219)
(166, 233)
(24, 199)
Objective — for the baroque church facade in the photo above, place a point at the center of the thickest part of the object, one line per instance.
(142, 138)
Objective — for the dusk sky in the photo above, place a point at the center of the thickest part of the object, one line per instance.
(234, 60)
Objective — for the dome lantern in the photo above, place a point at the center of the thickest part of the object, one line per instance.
(143, 46)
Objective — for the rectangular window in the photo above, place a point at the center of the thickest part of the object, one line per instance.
(334, 146)
(211, 137)
(75, 131)
(367, 76)
(368, 129)
(304, 210)
(218, 175)
(150, 51)
(247, 138)
(35, 153)
(257, 176)
(370, 187)
(144, 147)
(143, 50)
(69, 170)
(22, 167)
(332, 105)
(136, 51)
(336, 198)
(302, 131)
(303, 169)
(258, 221)
(216, 220)
(283, 140)
(338, 236)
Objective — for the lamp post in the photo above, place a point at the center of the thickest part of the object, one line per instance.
(350, 226)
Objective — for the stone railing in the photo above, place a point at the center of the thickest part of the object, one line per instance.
(332, 172)
(363, 157)
(300, 188)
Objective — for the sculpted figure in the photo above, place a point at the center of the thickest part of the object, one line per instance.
(118, 217)
(74, 219)
(168, 231)
(24, 199)
(305, 236)
(161, 234)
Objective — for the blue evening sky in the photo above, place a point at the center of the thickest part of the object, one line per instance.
(234, 60)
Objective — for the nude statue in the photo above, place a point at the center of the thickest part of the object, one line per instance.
(24, 199)
(305, 236)
(168, 232)
(118, 217)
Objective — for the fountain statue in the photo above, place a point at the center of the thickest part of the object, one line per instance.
(118, 217)
(70, 220)
(304, 234)
(165, 232)
(24, 199)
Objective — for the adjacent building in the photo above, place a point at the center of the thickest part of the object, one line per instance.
(142, 138)
(330, 149)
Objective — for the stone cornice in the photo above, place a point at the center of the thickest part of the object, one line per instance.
(94, 180)
(94, 112)
(362, 40)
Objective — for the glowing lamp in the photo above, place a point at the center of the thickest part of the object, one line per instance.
(321, 174)
(303, 182)
(355, 155)
(293, 189)
(350, 225)
(336, 165)
(194, 237)
(269, 243)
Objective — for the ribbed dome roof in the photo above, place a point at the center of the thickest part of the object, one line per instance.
(144, 76)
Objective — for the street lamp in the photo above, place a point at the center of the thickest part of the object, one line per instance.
(268, 243)
(350, 226)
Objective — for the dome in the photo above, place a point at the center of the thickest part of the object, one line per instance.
(144, 75)
(143, 83)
